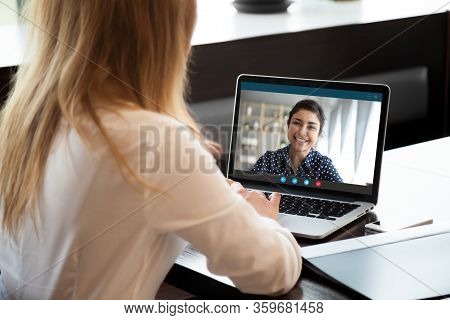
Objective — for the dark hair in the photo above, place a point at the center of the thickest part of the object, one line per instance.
(309, 105)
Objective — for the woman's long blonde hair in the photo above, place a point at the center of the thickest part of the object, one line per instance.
(78, 45)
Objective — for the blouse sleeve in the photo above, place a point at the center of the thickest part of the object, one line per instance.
(193, 200)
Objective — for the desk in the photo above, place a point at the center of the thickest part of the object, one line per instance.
(302, 15)
(414, 180)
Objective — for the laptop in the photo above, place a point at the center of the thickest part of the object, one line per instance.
(318, 143)
(404, 264)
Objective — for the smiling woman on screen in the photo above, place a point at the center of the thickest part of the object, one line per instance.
(93, 204)
(300, 159)
(305, 124)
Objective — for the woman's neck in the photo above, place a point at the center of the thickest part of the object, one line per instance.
(296, 159)
(113, 90)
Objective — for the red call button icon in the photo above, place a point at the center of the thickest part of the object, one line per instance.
(318, 183)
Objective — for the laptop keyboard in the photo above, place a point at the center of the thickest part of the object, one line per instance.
(315, 208)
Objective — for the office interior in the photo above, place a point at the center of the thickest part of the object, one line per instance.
(407, 49)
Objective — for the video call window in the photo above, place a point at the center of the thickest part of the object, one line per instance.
(345, 148)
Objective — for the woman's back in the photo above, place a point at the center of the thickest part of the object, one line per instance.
(108, 220)
(98, 236)
(91, 236)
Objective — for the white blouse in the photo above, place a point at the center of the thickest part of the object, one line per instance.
(99, 236)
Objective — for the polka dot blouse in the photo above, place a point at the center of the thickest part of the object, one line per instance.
(315, 166)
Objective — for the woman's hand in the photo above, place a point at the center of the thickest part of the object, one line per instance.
(265, 207)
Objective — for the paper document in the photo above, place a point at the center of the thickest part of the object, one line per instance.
(192, 259)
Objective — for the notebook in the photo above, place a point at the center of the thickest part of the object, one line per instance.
(318, 143)
(405, 264)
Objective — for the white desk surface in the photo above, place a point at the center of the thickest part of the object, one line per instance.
(218, 20)
(409, 186)
(415, 180)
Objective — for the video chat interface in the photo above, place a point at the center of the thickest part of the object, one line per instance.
(349, 137)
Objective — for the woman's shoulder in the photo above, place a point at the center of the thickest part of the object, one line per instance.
(274, 154)
(137, 118)
(131, 129)
(279, 152)
(126, 125)
(320, 157)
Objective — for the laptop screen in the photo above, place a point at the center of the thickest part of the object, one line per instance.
(308, 135)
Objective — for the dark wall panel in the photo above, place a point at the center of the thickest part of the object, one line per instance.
(337, 53)
(5, 78)
(332, 53)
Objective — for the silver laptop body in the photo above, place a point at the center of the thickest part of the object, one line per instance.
(353, 139)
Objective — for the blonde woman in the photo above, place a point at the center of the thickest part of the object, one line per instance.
(104, 177)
